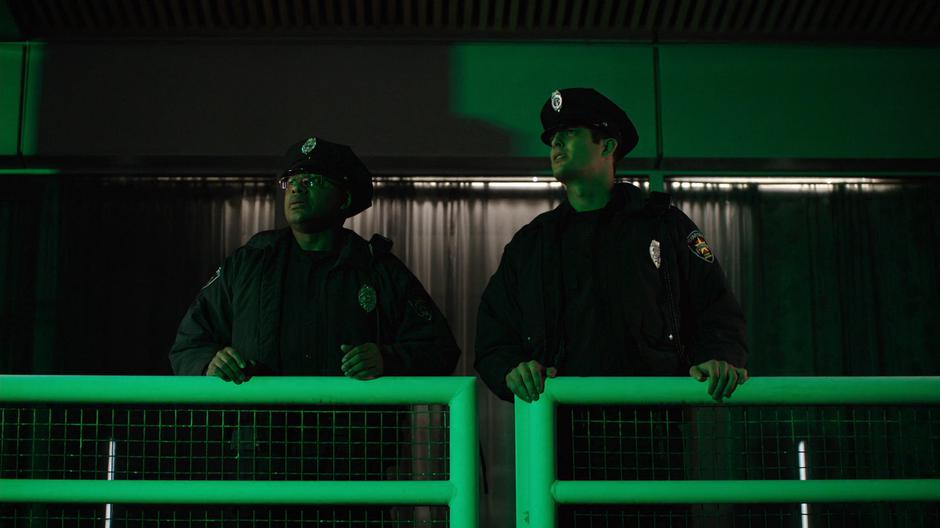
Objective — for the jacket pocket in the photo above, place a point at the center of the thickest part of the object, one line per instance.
(658, 347)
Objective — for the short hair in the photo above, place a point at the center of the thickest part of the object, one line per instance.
(598, 135)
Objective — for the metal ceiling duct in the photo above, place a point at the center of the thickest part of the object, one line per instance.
(846, 21)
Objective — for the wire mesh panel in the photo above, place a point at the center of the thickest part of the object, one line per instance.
(175, 516)
(842, 515)
(214, 443)
(615, 443)
(748, 443)
(333, 443)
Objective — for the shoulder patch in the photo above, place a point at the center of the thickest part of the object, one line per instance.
(421, 308)
(699, 246)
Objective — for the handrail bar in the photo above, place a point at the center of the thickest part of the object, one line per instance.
(538, 490)
(460, 492)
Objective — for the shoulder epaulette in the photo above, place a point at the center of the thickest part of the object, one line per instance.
(379, 245)
(264, 238)
(658, 202)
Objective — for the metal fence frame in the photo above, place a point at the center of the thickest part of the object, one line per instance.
(538, 491)
(460, 493)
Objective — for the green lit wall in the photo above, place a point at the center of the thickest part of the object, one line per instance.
(720, 101)
(723, 101)
(506, 84)
(448, 103)
(11, 70)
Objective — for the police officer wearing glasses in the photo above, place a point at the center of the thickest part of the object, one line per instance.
(315, 299)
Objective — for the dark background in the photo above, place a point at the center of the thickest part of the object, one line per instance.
(138, 141)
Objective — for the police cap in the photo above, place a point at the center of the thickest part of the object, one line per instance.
(586, 107)
(335, 162)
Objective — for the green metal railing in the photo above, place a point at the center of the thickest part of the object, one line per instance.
(539, 492)
(460, 492)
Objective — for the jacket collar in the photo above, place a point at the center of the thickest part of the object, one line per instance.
(352, 249)
(624, 198)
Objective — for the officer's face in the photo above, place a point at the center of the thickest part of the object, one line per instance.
(574, 154)
(313, 203)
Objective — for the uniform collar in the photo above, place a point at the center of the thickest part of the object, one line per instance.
(627, 198)
(351, 249)
(624, 198)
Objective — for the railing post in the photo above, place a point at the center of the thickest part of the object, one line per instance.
(464, 461)
(542, 460)
(538, 492)
(523, 452)
(461, 492)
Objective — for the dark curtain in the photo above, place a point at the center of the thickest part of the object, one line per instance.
(837, 279)
(845, 280)
(23, 206)
(97, 272)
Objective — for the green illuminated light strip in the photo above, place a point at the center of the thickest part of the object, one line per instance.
(460, 493)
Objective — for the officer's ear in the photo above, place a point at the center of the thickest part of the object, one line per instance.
(610, 146)
(348, 203)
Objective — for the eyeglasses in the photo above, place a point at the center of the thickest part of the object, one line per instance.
(304, 180)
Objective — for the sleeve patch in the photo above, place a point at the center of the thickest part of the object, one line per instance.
(421, 308)
(699, 246)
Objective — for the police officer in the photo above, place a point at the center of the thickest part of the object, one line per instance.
(315, 299)
(611, 282)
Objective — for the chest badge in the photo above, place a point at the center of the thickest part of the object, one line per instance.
(367, 298)
(656, 253)
(699, 246)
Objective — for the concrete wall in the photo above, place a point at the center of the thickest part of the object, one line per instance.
(473, 107)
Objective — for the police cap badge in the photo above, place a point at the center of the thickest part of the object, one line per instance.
(334, 161)
(586, 107)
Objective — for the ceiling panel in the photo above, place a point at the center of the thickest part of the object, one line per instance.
(860, 21)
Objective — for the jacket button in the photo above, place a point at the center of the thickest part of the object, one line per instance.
(307, 356)
(670, 337)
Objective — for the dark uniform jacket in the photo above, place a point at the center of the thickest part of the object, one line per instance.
(680, 313)
(240, 307)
